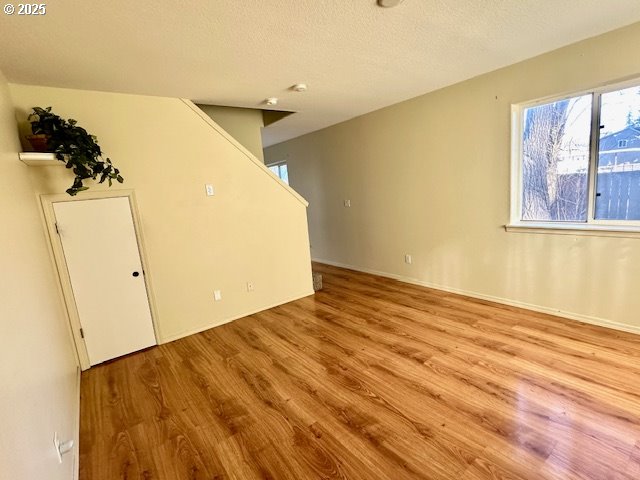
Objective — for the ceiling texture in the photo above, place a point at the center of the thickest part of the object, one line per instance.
(355, 56)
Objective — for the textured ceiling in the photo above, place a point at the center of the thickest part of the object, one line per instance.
(355, 56)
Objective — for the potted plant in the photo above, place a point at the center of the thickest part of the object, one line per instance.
(72, 145)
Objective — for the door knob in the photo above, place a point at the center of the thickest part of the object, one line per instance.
(135, 274)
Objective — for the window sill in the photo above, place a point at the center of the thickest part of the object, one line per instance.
(622, 231)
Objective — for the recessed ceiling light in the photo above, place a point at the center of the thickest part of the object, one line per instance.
(389, 3)
(271, 101)
(299, 87)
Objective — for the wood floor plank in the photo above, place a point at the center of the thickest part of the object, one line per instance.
(371, 378)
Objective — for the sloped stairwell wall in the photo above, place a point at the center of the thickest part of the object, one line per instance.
(254, 229)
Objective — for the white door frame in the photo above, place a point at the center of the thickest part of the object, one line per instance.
(57, 251)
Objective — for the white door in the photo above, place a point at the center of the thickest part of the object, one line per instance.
(101, 252)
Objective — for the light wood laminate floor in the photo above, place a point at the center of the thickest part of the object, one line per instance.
(371, 379)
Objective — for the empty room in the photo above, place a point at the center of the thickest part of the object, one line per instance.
(331, 239)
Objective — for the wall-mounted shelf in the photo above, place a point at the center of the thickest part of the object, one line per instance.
(36, 159)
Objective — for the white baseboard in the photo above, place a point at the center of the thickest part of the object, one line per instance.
(186, 333)
(601, 322)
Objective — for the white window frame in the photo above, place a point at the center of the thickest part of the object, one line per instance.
(592, 226)
(278, 164)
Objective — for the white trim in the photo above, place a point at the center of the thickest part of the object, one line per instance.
(54, 266)
(64, 285)
(588, 229)
(516, 162)
(594, 159)
(284, 162)
(517, 155)
(56, 250)
(600, 322)
(186, 333)
(207, 119)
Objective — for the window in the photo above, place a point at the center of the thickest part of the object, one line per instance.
(577, 161)
(280, 169)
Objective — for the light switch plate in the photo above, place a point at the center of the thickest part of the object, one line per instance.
(217, 295)
(209, 189)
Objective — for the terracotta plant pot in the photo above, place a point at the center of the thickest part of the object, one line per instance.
(38, 142)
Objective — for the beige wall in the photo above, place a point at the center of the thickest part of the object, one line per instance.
(243, 124)
(430, 177)
(38, 380)
(253, 229)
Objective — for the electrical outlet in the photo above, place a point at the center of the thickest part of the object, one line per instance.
(408, 259)
(209, 189)
(347, 203)
(249, 286)
(217, 295)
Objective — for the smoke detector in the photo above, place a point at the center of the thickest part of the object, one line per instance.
(299, 87)
(271, 101)
(389, 3)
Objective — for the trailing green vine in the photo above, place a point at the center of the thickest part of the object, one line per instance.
(74, 146)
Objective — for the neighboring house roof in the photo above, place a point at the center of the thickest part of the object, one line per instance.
(622, 147)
